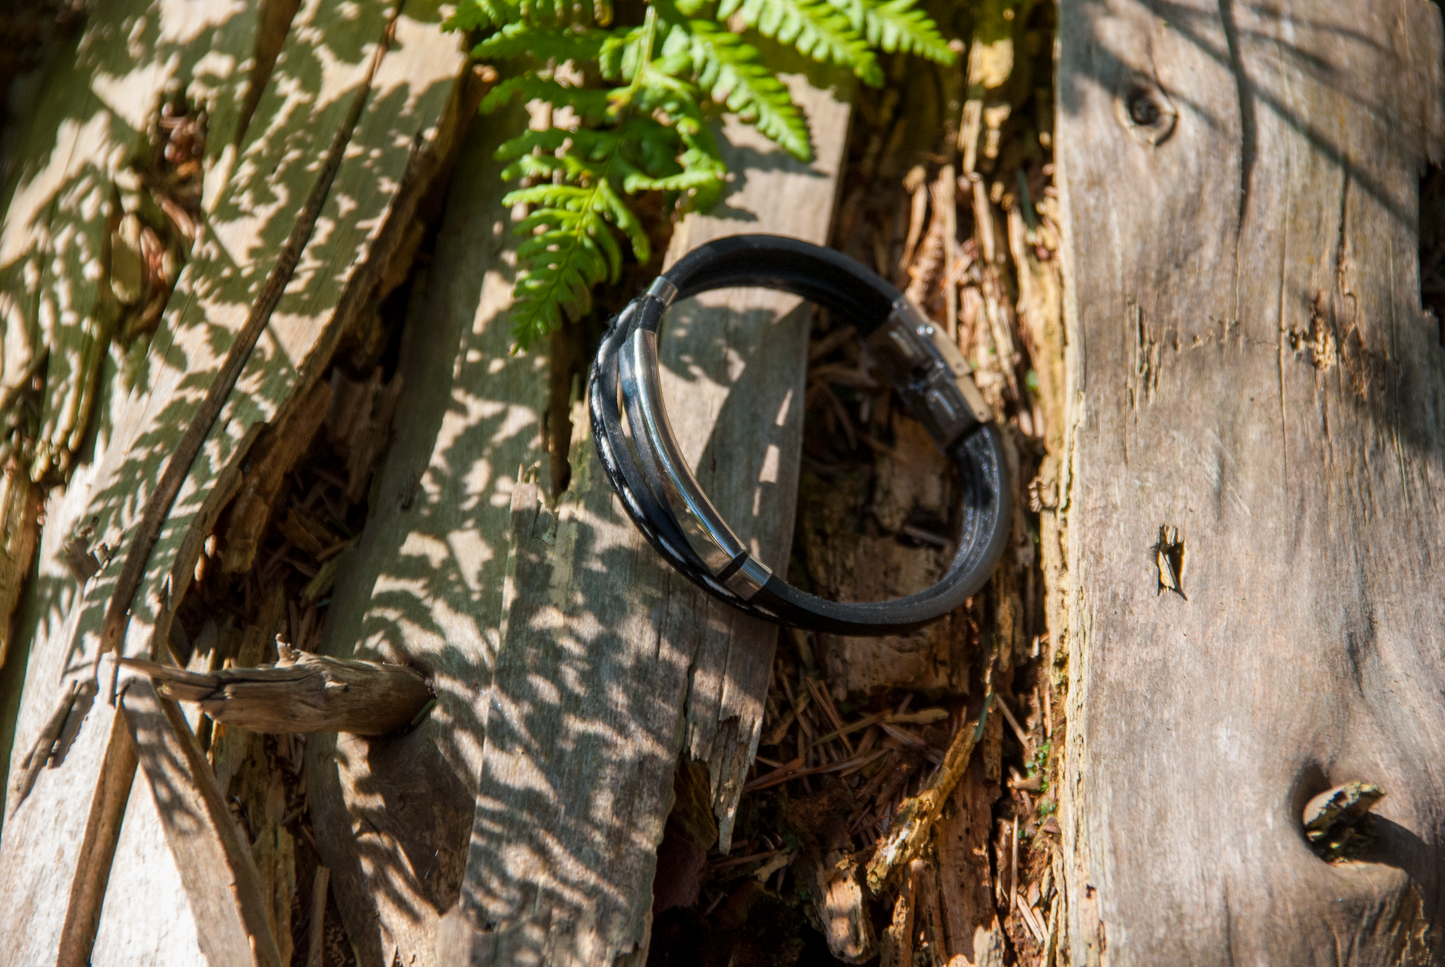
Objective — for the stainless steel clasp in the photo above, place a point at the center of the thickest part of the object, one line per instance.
(929, 372)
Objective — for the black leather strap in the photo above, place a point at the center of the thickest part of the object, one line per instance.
(637, 469)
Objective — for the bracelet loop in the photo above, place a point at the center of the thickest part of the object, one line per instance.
(644, 463)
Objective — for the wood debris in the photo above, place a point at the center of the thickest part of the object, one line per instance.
(300, 693)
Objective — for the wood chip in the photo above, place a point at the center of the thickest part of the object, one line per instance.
(916, 816)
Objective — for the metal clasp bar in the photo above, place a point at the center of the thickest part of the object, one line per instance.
(930, 374)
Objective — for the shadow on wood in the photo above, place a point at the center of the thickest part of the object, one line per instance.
(1249, 366)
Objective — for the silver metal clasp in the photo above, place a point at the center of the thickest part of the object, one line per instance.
(929, 372)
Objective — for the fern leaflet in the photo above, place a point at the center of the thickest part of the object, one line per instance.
(644, 127)
(815, 27)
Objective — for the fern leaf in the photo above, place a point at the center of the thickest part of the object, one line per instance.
(562, 267)
(480, 14)
(734, 76)
(589, 105)
(815, 27)
(897, 26)
(543, 43)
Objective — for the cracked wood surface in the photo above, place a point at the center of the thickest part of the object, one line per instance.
(304, 215)
(427, 584)
(577, 768)
(71, 169)
(1248, 362)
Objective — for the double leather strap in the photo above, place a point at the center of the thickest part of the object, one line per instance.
(644, 463)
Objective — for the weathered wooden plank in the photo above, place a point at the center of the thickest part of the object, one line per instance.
(424, 585)
(412, 111)
(214, 860)
(640, 666)
(1250, 364)
(322, 89)
(72, 167)
(129, 932)
(95, 113)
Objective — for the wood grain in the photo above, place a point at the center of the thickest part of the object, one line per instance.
(1249, 363)
(424, 585)
(216, 869)
(300, 693)
(129, 932)
(72, 164)
(330, 85)
(577, 770)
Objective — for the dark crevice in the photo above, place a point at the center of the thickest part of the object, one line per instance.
(1432, 245)
(1248, 132)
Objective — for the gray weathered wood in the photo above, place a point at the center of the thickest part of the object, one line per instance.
(330, 84)
(130, 932)
(71, 164)
(640, 666)
(426, 584)
(213, 858)
(1249, 363)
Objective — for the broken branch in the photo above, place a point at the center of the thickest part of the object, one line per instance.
(917, 814)
(302, 692)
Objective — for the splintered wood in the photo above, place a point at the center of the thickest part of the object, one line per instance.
(641, 657)
(300, 693)
(312, 172)
(431, 585)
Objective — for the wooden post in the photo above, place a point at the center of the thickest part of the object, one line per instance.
(1249, 365)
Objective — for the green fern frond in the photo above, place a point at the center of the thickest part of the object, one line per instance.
(648, 130)
(588, 105)
(562, 267)
(897, 26)
(481, 14)
(733, 75)
(557, 44)
(815, 27)
(571, 247)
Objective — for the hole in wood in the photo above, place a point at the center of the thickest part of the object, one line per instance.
(1145, 111)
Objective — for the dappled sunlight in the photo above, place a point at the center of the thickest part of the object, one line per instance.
(238, 268)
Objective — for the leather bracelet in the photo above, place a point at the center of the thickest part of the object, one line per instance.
(645, 466)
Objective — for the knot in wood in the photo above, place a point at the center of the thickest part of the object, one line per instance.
(1144, 110)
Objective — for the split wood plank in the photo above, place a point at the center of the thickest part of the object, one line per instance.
(326, 81)
(72, 165)
(424, 585)
(415, 103)
(1249, 363)
(213, 859)
(130, 932)
(93, 114)
(610, 664)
